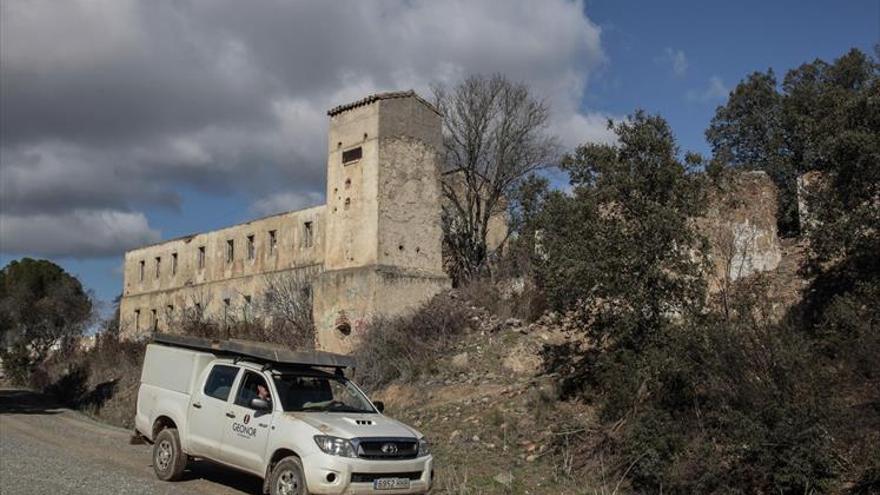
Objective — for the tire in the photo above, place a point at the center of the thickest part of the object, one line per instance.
(287, 478)
(169, 461)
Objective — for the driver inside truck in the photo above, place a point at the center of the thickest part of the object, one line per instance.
(263, 393)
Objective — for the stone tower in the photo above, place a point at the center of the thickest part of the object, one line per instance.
(382, 219)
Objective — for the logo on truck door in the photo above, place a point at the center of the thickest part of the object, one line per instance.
(243, 430)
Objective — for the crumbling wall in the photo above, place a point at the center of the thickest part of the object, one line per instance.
(740, 225)
(194, 269)
(808, 184)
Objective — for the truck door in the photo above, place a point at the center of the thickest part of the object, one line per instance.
(208, 409)
(247, 430)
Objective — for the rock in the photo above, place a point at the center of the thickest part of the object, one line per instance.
(521, 359)
(505, 479)
(531, 458)
(475, 438)
(454, 436)
(513, 322)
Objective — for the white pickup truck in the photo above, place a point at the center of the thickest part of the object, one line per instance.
(292, 418)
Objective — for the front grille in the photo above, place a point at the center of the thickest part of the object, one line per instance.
(371, 477)
(388, 449)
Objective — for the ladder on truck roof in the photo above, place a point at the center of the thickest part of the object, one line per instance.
(258, 351)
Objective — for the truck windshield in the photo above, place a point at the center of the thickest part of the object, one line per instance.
(320, 394)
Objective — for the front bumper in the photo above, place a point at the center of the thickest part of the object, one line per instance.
(318, 467)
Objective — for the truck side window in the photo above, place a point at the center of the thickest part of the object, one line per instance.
(219, 382)
(252, 386)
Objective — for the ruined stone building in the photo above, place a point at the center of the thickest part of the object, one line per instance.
(373, 248)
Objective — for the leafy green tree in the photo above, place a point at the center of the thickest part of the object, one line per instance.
(748, 132)
(620, 250)
(623, 234)
(40, 304)
(823, 117)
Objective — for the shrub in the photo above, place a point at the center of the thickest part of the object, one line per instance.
(17, 363)
(404, 348)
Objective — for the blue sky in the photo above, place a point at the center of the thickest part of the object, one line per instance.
(226, 120)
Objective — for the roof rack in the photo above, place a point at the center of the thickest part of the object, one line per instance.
(257, 351)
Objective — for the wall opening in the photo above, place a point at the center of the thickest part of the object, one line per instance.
(352, 155)
(158, 266)
(251, 249)
(230, 250)
(201, 258)
(344, 328)
(273, 241)
(141, 276)
(308, 234)
(173, 263)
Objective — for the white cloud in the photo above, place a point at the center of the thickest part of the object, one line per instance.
(79, 233)
(138, 98)
(675, 59)
(715, 91)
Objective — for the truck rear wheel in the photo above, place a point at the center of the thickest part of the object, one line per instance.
(287, 478)
(169, 461)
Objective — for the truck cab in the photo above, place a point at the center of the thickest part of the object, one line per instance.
(297, 422)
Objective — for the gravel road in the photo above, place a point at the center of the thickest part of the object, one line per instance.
(46, 449)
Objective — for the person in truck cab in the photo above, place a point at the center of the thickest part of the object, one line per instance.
(263, 393)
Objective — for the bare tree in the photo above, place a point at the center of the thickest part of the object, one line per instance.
(495, 134)
(287, 303)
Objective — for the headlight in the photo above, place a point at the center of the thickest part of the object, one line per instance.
(424, 447)
(335, 446)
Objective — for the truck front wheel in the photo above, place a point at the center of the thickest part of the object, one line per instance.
(287, 478)
(169, 461)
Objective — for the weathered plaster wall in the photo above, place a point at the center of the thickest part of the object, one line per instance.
(740, 224)
(808, 185)
(410, 233)
(352, 189)
(217, 277)
(346, 300)
(212, 297)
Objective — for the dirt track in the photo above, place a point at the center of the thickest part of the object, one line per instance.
(46, 449)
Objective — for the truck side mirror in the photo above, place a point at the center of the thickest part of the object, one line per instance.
(380, 406)
(260, 404)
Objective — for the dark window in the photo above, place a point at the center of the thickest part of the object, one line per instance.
(352, 155)
(230, 250)
(308, 234)
(137, 319)
(201, 259)
(220, 381)
(273, 240)
(249, 389)
(143, 263)
(154, 324)
(174, 263)
(251, 250)
(158, 265)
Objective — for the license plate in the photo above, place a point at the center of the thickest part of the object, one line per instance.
(390, 483)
